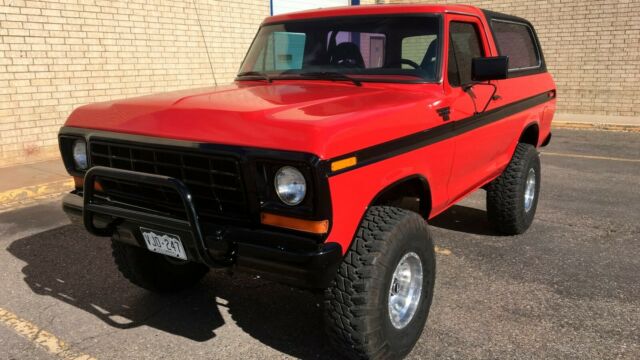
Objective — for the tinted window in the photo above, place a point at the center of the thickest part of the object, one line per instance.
(516, 41)
(452, 70)
(464, 45)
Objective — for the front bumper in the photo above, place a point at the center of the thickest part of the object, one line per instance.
(278, 256)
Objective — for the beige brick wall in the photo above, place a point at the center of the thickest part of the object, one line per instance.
(592, 48)
(56, 55)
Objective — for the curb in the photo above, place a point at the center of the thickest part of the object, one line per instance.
(30, 194)
(595, 126)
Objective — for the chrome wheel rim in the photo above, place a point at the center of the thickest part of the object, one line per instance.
(530, 190)
(405, 290)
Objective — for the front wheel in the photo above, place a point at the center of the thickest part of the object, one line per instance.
(155, 272)
(377, 306)
(512, 198)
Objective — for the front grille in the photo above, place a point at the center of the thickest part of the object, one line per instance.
(214, 181)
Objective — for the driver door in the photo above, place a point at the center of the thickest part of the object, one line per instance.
(475, 144)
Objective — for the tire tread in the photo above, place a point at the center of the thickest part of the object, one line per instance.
(504, 194)
(349, 324)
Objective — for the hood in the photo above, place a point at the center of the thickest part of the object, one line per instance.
(324, 118)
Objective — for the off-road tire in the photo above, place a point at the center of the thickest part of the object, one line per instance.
(505, 195)
(154, 272)
(357, 319)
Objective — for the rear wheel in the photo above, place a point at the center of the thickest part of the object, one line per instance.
(155, 272)
(378, 304)
(512, 198)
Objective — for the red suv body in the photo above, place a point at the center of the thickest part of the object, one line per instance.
(412, 107)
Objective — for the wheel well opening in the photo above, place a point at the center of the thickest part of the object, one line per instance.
(411, 194)
(530, 135)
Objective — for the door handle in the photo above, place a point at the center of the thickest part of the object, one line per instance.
(445, 113)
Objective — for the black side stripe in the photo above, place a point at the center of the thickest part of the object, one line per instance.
(424, 138)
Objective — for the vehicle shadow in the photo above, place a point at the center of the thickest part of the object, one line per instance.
(464, 219)
(68, 264)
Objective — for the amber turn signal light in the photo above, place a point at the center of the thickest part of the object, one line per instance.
(78, 181)
(310, 226)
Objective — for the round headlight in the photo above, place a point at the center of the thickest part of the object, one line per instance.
(291, 186)
(80, 155)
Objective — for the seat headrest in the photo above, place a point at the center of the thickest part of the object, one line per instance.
(347, 54)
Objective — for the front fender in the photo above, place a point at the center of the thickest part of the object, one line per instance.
(353, 191)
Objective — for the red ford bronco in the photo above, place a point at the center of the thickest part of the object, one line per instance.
(345, 130)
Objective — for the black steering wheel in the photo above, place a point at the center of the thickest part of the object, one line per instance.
(406, 62)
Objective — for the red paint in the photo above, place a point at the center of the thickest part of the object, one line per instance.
(331, 119)
(374, 10)
(310, 116)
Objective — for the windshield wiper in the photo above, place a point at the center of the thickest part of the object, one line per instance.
(331, 75)
(257, 74)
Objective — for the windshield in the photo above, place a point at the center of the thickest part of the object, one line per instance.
(396, 48)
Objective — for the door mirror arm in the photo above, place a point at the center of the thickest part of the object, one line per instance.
(468, 88)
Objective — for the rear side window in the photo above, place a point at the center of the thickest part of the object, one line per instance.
(284, 51)
(516, 41)
(420, 49)
(371, 46)
(464, 45)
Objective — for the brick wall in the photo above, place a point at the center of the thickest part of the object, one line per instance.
(56, 55)
(592, 48)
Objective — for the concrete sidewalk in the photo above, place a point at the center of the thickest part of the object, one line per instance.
(24, 184)
(596, 122)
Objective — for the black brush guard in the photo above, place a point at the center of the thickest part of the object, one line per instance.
(293, 265)
(91, 207)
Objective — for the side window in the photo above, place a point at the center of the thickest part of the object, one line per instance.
(284, 51)
(372, 47)
(464, 45)
(516, 41)
(415, 48)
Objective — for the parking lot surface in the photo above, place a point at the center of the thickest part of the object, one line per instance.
(568, 288)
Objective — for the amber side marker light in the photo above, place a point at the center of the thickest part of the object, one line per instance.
(78, 181)
(344, 163)
(314, 227)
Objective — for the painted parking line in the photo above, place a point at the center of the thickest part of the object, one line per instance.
(41, 338)
(442, 251)
(14, 197)
(578, 156)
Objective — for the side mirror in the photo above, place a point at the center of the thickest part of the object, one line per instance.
(490, 68)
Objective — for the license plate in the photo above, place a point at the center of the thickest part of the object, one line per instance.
(163, 243)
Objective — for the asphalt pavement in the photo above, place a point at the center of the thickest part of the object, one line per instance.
(568, 288)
